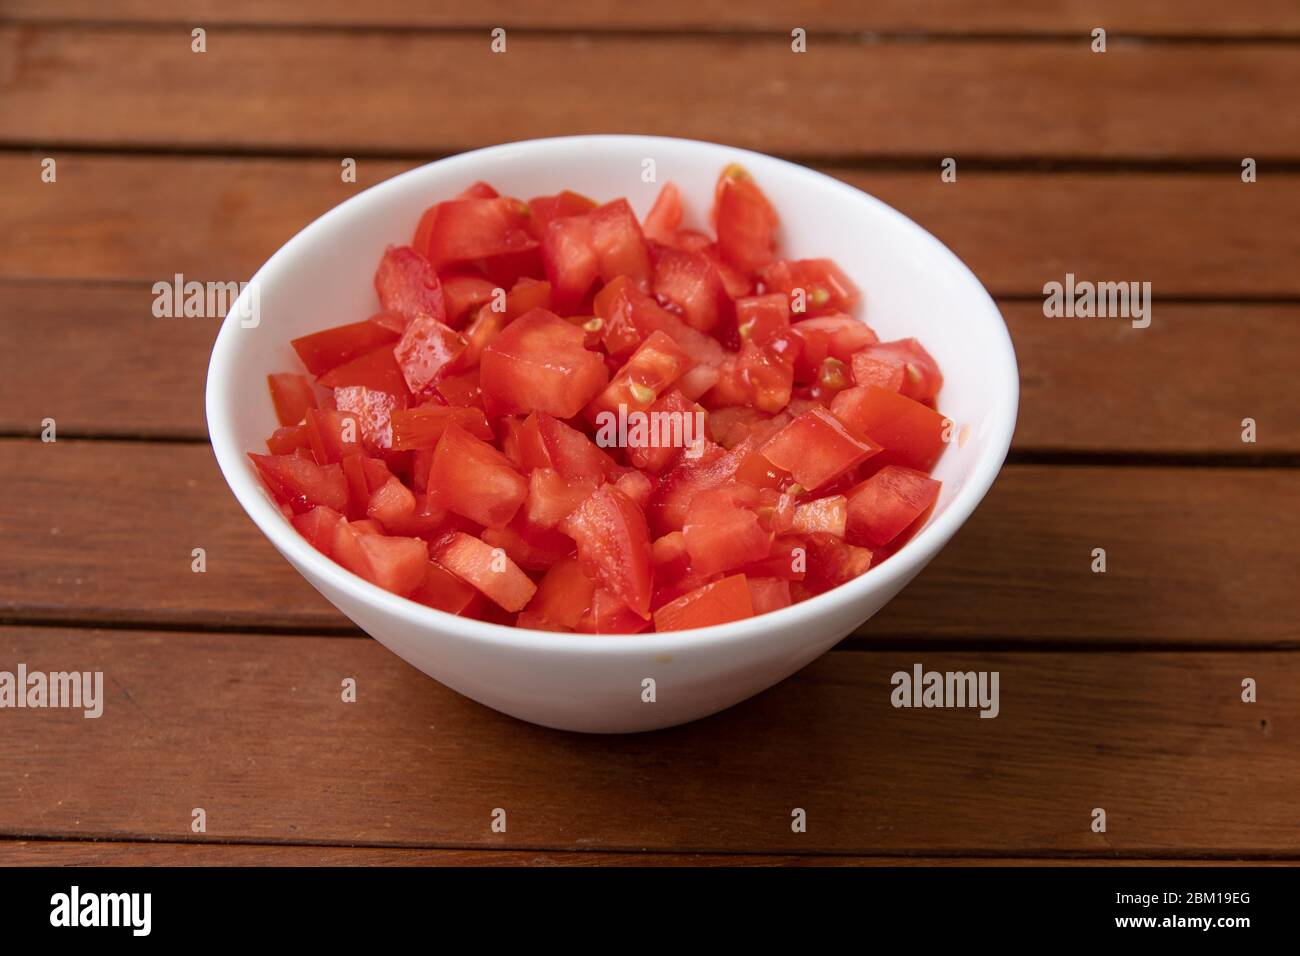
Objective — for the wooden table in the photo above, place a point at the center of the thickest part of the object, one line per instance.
(1120, 690)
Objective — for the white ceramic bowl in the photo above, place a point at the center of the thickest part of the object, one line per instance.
(912, 286)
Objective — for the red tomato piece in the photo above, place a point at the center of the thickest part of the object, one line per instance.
(473, 479)
(286, 439)
(463, 230)
(318, 526)
(619, 245)
(716, 603)
(721, 536)
(887, 503)
(421, 427)
(814, 286)
(377, 370)
(395, 564)
(464, 294)
(373, 411)
(570, 261)
(322, 351)
(817, 447)
(291, 395)
(830, 336)
(609, 615)
(427, 348)
(665, 216)
(392, 504)
(614, 545)
(746, 221)
(903, 366)
(408, 285)
(832, 562)
(684, 431)
(478, 190)
(538, 364)
(768, 594)
(761, 318)
(552, 497)
(651, 370)
(909, 433)
(486, 568)
(565, 449)
(689, 282)
(636, 486)
(787, 560)
(563, 598)
(333, 435)
(543, 209)
(443, 590)
(828, 515)
(461, 390)
(300, 483)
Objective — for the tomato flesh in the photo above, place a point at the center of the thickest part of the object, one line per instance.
(717, 603)
(817, 447)
(614, 545)
(908, 433)
(486, 569)
(888, 502)
(539, 363)
(473, 479)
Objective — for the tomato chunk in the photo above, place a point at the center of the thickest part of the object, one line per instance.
(746, 222)
(716, 603)
(689, 282)
(817, 447)
(887, 503)
(538, 363)
(422, 427)
(903, 366)
(614, 545)
(665, 216)
(425, 351)
(395, 564)
(302, 484)
(486, 568)
(463, 230)
(720, 535)
(473, 479)
(563, 598)
(322, 351)
(408, 286)
(291, 395)
(908, 433)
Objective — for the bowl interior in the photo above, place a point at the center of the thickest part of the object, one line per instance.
(911, 284)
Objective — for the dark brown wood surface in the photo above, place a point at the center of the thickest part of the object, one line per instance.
(1119, 690)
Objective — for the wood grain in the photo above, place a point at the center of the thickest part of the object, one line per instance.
(252, 729)
(146, 218)
(103, 531)
(1086, 385)
(420, 93)
(124, 853)
(1170, 17)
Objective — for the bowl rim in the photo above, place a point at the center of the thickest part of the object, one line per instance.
(893, 573)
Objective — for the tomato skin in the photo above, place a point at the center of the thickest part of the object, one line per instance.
(286, 439)
(827, 515)
(463, 230)
(909, 433)
(619, 245)
(395, 564)
(746, 222)
(473, 479)
(417, 428)
(614, 545)
(552, 497)
(768, 594)
(716, 603)
(689, 282)
(377, 370)
(426, 350)
(318, 526)
(462, 295)
(408, 285)
(570, 261)
(443, 590)
(721, 536)
(887, 503)
(373, 411)
(563, 598)
(538, 363)
(903, 366)
(816, 448)
(291, 395)
(479, 564)
(330, 348)
(300, 483)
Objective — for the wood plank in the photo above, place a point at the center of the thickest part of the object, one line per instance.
(1161, 741)
(79, 335)
(123, 853)
(103, 531)
(423, 93)
(1172, 17)
(146, 218)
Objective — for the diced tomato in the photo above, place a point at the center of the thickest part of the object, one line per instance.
(473, 479)
(552, 497)
(421, 427)
(815, 286)
(832, 562)
(408, 285)
(720, 535)
(817, 447)
(563, 598)
(746, 221)
(377, 370)
(291, 395)
(683, 431)
(486, 568)
(665, 216)
(908, 433)
(322, 351)
(478, 190)
(768, 594)
(302, 484)
(535, 549)
(828, 515)
(609, 615)
(570, 261)
(446, 592)
(619, 244)
(716, 603)
(395, 564)
(630, 316)
(427, 348)
(787, 560)
(884, 505)
(564, 448)
(712, 468)
(538, 364)
(761, 318)
(903, 366)
(333, 435)
(392, 504)
(765, 378)
(318, 526)
(614, 545)
(651, 370)
(545, 208)
(463, 294)
(689, 282)
(831, 336)
(525, 295)
(288, 438)
(636, 486)
(373, 411)
(463, 230)
(461, 390)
